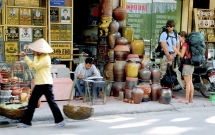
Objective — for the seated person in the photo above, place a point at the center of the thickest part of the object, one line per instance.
(90, 69)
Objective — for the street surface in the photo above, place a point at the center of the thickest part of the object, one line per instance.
(187, 121)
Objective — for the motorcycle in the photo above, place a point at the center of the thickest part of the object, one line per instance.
(203, 79)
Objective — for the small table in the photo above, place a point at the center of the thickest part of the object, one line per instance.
(95, 85)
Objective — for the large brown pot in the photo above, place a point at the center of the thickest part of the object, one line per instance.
(106, 7)
(109, 72)
(128, 33)
(137, 94)
(156, 74)
(137, 47)
(131, 82)
(119, 13)
(119, 71)
(155, 91)
(121, 52)
(114, 26)
(117, 87)
(133, 57)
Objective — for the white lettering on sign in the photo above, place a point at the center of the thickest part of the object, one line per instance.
(138, 8)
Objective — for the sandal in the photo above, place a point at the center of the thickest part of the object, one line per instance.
(183, 101)
(22, 125)
(60, 124)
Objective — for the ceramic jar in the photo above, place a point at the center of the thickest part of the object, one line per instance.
(128, 93)
(111, 55)
(132, 69)
(121, 52)
(121, 25)
(145, 61)
(111, 39)
(165, 95)
(24, 97)
(155, 91)
(119, 71)
(133, 57)
(128, 33)
(131, 82)
(117, 87)
(137, 94)
(109, 72)
(106, 7)
(17, 92)
(114, 26)
(119, 13)
(121, 41)
(144, 74)
(156, 74)
(137, 47)
(146, 88)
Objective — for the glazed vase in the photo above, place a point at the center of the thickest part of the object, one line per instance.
(144, 74)
(114, 26)
(132, 69)
(155, 91)
(128, 33)
(111, 39)
(119, 13)
(156, 74)
(121, 41)
(165, 95)
(137, 47)
(137, 94)
(119, 71)
(121, 52)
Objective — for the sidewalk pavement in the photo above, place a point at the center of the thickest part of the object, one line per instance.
(115, 106)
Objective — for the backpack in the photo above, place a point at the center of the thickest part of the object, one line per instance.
(197, 48)
(159, 47)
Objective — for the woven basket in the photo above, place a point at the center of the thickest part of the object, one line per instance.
(211, 38)
(12, 113)
(78, 112)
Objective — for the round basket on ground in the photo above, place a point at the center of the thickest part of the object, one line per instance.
(78, 112)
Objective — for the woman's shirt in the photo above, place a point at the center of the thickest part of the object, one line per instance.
(187, 54)
(42, 65)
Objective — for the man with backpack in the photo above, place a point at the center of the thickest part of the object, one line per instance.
(167, 40)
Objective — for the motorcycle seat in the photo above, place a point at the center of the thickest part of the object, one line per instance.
(200, 70)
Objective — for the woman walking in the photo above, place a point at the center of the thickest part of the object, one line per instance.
(188, 69)
(43, 83)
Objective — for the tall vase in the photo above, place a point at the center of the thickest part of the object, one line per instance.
(137, 94)
(137, 47)
(132, 69)
(128, 33)
(106, 7)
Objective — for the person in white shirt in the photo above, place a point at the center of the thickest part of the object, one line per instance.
(80, 74)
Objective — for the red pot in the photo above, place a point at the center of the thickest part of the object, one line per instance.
(119, 13)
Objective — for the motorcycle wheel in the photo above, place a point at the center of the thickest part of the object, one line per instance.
(207, 88)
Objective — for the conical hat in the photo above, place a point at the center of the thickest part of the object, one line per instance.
(41, 46)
